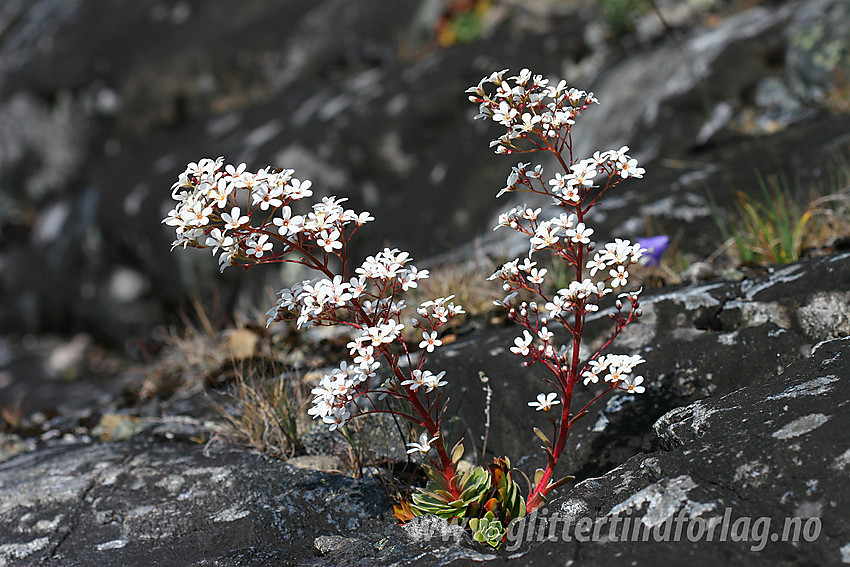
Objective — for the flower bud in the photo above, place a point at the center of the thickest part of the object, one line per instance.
(639, 313)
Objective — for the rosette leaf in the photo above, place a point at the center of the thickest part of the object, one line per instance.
(488, 529)
(438, 498)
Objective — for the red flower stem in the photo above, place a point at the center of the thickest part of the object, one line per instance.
(430, 425)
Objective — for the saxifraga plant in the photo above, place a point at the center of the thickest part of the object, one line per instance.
(249, 218)
(539, 117)
(253, 218)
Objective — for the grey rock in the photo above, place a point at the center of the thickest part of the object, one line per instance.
(324, 545)
(764, 451)
(108, 503)
(826, 316)
(818, 60)
(736, 418)
(764, 463)
(697, 272)
(317, 463)
(11, 445)
(342, 100)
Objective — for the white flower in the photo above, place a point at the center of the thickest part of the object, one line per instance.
(617, 373)
(598, 263)
(545, 401)
(384, 333)
(288, 224)
(433, 381)
(522, 344)
(220, 194)
(526, 265)
(416, 380)
(559, 182)
(545, 236)
(363, 218)
(429, 341)
(504, 114)
(258, 247)
(580, 234)
(298, 189)
(536, 276)
(199, 214)
(410, 278)
(633, 385)
(630, 169)
(571, 193)
(619, 155)
(528, 122)
(337, 419)
(583, 173)
(234, 219)
(424, 444)
(620, 276)
(530, 214)
(557, 306)
(591, 375)
(235, 172)
(618, 252)
(217, 239)
(565, 220)
(328, 241)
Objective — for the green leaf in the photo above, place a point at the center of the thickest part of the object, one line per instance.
(543, 437)
(457, 452)
(538, 476)
(561, 482)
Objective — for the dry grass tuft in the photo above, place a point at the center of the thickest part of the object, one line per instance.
(269, 415)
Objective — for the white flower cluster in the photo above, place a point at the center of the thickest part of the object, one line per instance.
(249, 218)
(617, 370)
(380, 278)
(439, 311)
(335, 392)
(573, 187)
(316, 301)
(579, 296)
(338, 391)
(543, 115)
(216, 205)
(526, 103)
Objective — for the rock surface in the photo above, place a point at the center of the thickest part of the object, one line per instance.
(744, 412)
(747, 381)
(94, 134)
(161, 501)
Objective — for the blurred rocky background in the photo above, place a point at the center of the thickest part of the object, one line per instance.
(104, 102)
